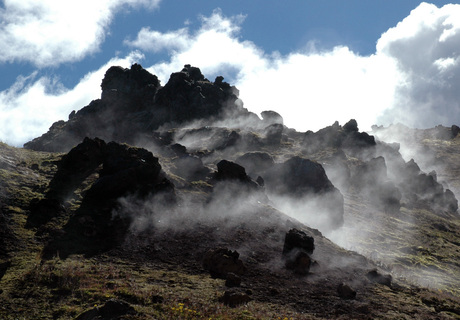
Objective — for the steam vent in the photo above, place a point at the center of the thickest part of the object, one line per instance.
(174, 201)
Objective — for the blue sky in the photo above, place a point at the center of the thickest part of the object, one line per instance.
(314, 62)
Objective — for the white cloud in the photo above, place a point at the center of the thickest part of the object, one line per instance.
(426, 47)
(50, 32)
(155, 41)
(31, 105)
(310, 89)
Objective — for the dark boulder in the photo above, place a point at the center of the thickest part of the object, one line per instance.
(232, 280)
(228, 170)
(298, 261)
(273, 134)
(222, 261)
(375, 276)
(111, 310)
(4, 266)
(297, 247)
(234, 299)
(297, 177)
(270, 117)
(298, 239)
(306, 182)
(346, 292)
(124, 171)
(351, 126)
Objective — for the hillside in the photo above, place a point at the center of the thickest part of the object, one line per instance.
(176, 202)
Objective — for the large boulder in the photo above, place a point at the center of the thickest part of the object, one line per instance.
(222, 261)
(296, 250)
(306, 184)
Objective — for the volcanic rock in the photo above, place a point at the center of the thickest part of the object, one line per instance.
(222, 261)
(375, 276)
(232, 280)
(234, 299)
(297, 247)
(298, 239)
(300, 178)
(346, 292)
(133, 104)
(112, 309)
(271, 117)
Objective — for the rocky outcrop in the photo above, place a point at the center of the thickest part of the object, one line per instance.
(112, 309)
(222, 261)
(335, 136)
(300, 178)
(134, 104)
(296, 251)
(123, 171)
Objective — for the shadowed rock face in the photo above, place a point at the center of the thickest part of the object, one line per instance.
(126, 171)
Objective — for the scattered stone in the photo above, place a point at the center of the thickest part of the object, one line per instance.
(377, 277)
(346, 292)
(299, 262)
(112, 309)
(222, 261)
(234, 299)
(233, 280)
(4, 266)
(297, 239)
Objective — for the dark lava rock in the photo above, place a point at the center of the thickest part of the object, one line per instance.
(221, 261)
(227, 170)
(336, 136)
(377, 277)
(126, 171)
(4, 266)
(133, 104)
(346, 292)
(297, 239)
(270, 117)
(298, 261)
(300, 178)
(297, 177)
(297, 247)
(351, 126)
(111, 310)
(43, 210)
(274, 134)
(234, 299)
(232, 280)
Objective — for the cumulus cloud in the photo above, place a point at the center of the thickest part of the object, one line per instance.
(412, 78)
(426, 47)
(309, 88)
(51, 32)
(32, 104)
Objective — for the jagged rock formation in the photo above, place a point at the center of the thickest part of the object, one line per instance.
(133, 103)
(125, 171)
